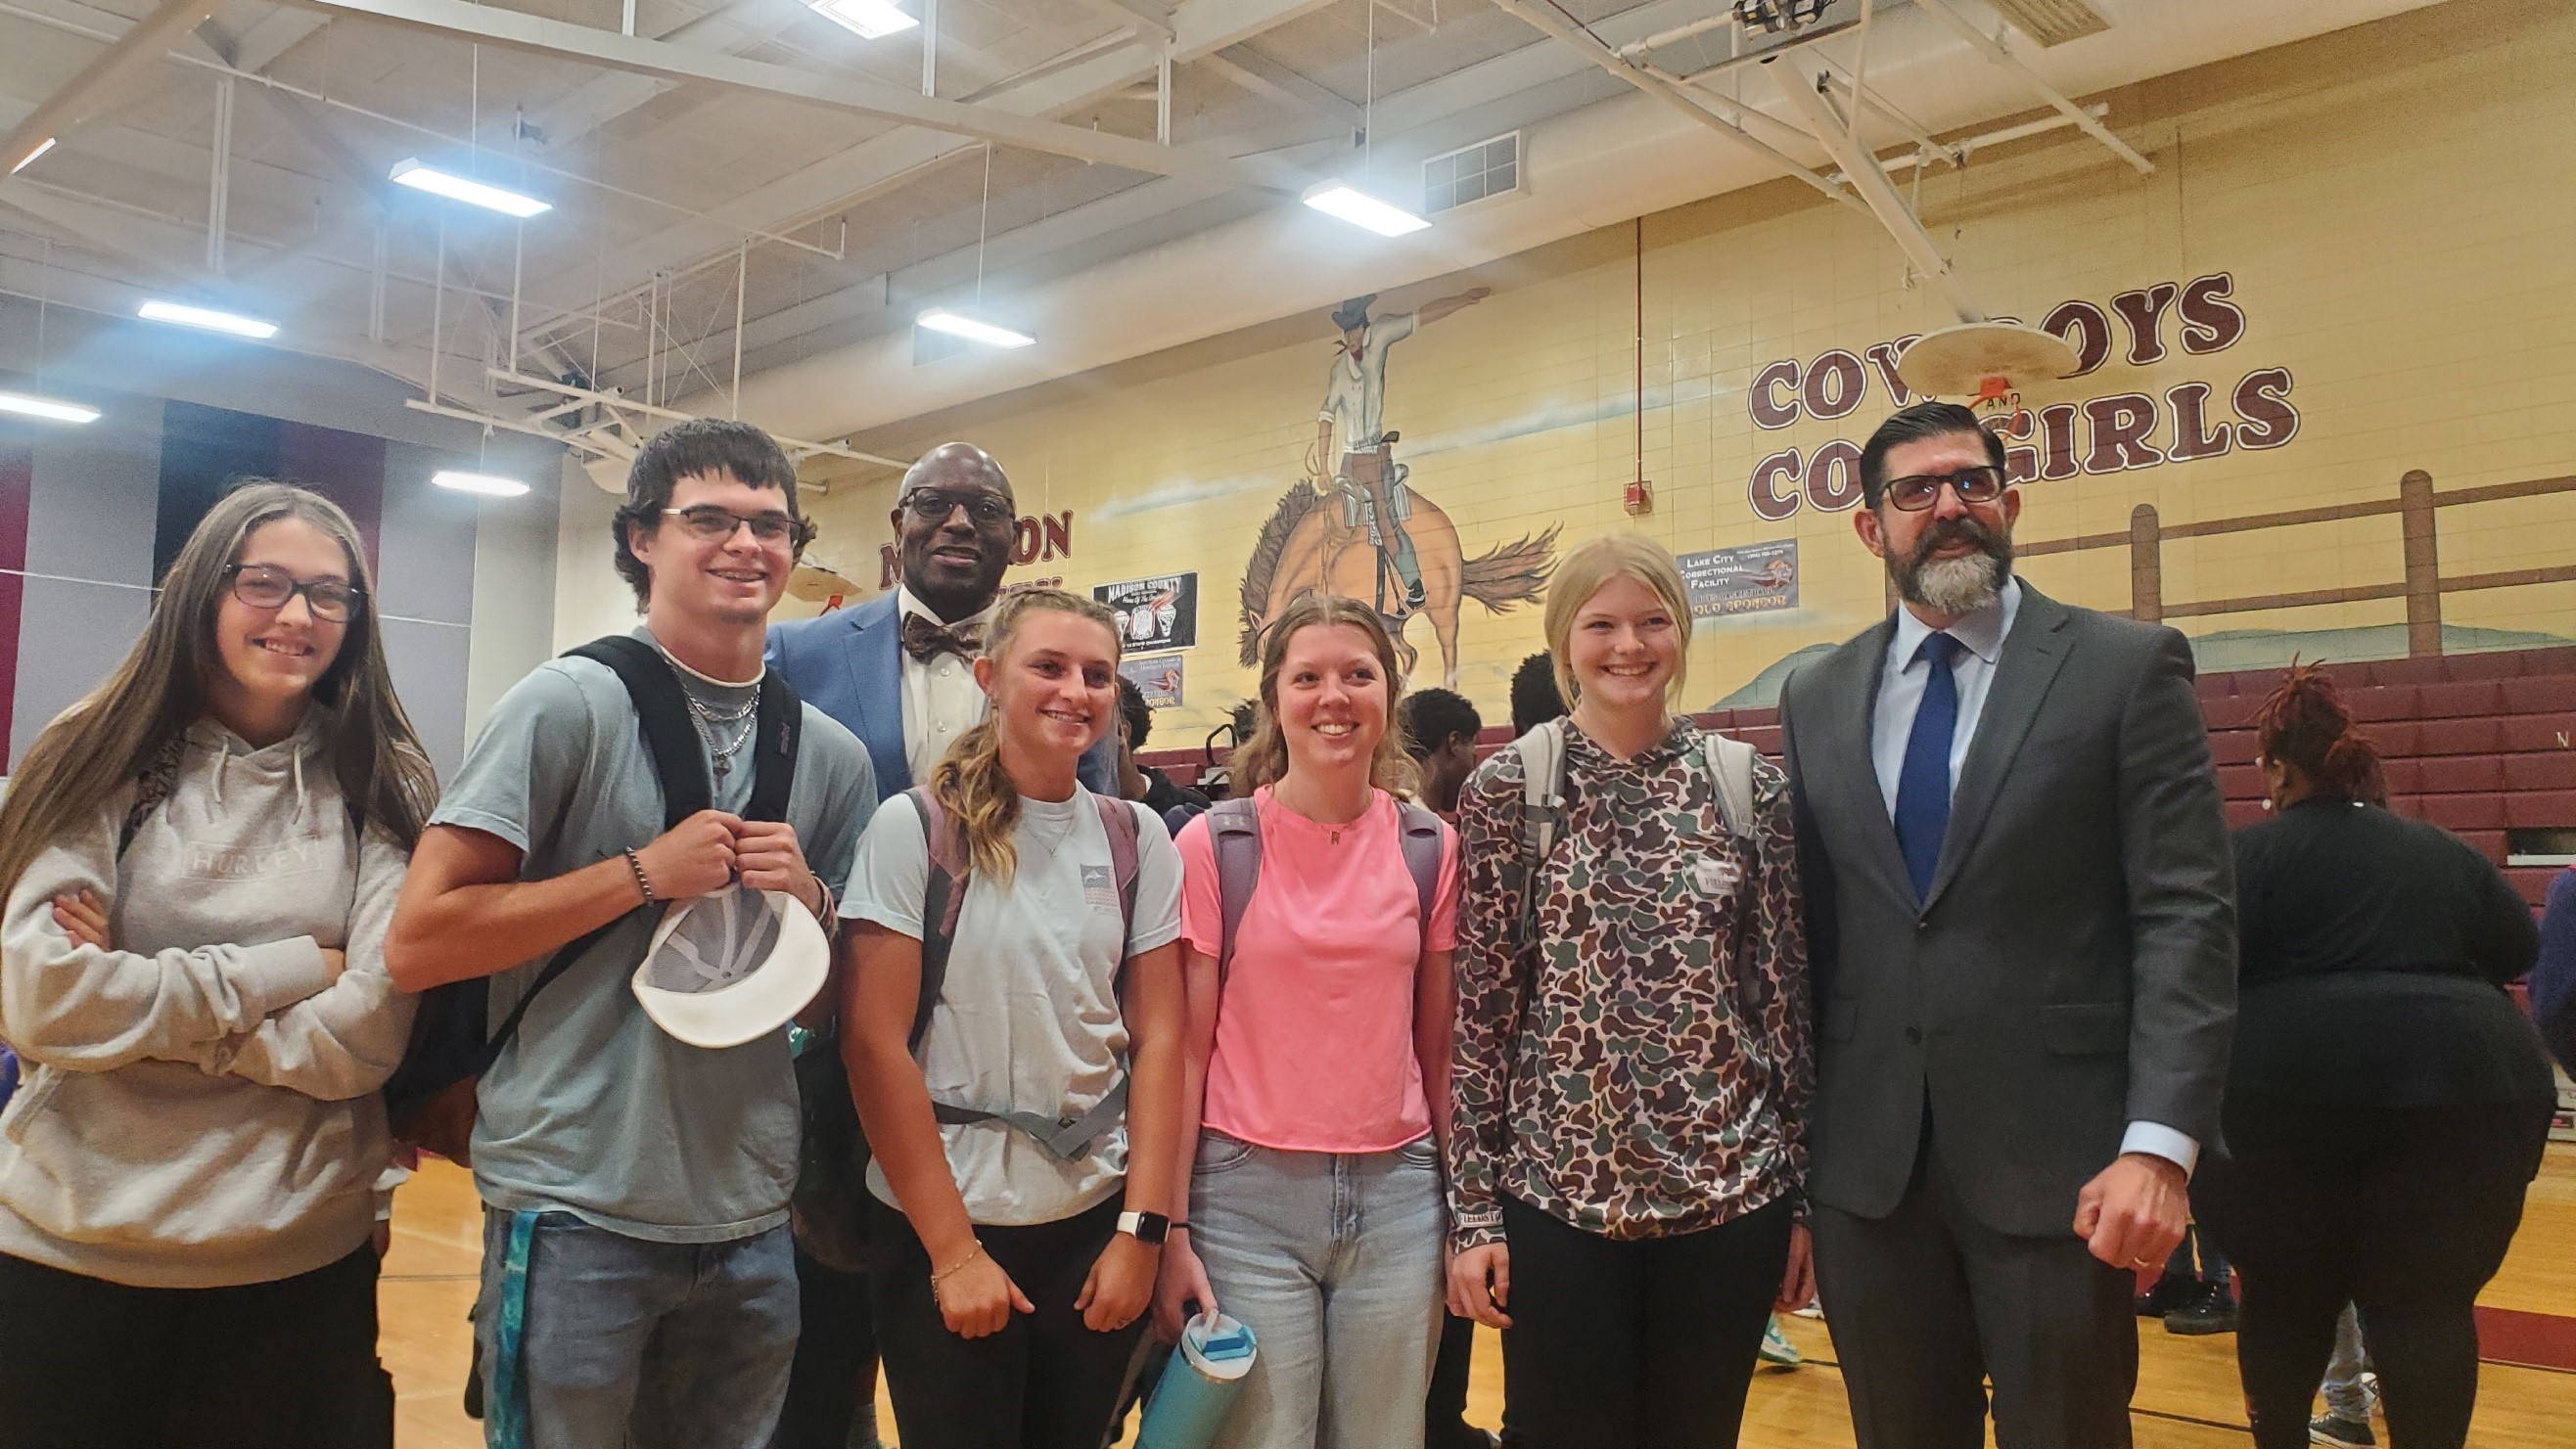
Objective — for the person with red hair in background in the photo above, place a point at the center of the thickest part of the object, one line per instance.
(2382, 1080)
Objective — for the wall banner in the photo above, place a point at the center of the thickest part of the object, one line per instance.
(1159, 680)
(1159, 613)
(1753, 579)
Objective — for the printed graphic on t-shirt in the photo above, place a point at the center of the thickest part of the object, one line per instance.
(1100, 887)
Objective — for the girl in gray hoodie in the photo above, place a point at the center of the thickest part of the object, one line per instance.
(199, 860)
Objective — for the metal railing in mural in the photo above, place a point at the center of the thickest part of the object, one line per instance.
(2417, 506)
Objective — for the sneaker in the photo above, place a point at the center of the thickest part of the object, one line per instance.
(1777, 1350)
(2327, 1429)
(2172, 1291)
(2212, 1309)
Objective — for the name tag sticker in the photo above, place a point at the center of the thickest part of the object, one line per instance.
(1715, 875)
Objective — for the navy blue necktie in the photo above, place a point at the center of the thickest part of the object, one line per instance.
(1923, 786)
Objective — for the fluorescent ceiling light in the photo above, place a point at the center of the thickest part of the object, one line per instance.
(940, 319)
(867, 19)
(30, 158)
(207, 318)
(50, 409)
(1337, 198)
(490, 485)
(457, 188)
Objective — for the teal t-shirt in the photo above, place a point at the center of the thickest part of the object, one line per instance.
(591, 1109)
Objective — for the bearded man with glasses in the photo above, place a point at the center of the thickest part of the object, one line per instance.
(2021, 925)
(898, 671)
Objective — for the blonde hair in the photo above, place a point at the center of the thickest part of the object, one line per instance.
(1263, 759)
(1595, 562)
(969, 781)
(93, 748)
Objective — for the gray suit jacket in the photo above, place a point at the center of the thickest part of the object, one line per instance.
(2074, 968)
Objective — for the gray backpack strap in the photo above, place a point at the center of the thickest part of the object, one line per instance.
(1730, 761)
(1069, 1139)
(1542, 756)
(1234, 829)
(1421, 840)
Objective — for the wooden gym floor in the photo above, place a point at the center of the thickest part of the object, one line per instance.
(2187, 1389)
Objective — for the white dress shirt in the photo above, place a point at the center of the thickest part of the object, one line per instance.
(940, 697)
(1902, 679)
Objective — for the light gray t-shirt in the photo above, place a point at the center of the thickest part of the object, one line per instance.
(591, 1109)
(1028, 1018)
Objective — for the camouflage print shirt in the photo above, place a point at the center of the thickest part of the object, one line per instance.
(1656, 1079)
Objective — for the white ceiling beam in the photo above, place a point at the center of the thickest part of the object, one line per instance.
(1583, 42)
(1256, 72)
(868, 169)
(1156, 19)
(1993, 50)
(83, 93)
(536, 34)
(266, 40)
(1798, 81)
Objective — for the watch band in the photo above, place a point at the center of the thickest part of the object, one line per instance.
(1146, 1228)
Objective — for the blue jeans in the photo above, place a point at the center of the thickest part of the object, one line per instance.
(1333, 1260)
(626, 1342)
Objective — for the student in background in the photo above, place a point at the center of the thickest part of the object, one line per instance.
(2387, 1103)
(1653, 995)
(1319, 1056)
(1143, 783)
(1012, 1278)
(1535, 698)
(200, 859)
(1440, 729)
(2553, 976)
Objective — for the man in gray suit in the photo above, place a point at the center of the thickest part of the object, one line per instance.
(2021, 918)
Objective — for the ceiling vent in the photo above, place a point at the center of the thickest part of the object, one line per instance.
(2052, 22)
(1471, 174)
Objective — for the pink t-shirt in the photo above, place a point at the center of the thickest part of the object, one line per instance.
(1314, 1041)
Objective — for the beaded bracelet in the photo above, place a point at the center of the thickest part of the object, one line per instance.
(643, 882)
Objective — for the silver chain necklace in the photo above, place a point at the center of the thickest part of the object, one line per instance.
(711, 722)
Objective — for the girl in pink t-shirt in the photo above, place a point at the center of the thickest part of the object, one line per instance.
(1318, 1071)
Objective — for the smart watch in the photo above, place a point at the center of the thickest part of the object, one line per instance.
(1146, 1228)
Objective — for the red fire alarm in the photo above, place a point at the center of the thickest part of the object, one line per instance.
(1641, 497)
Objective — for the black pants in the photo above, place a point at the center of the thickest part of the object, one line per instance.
(1636, 1345)
(2404, 1213)
(1928, 1304)
(832, 1386)
(1444, 1413)
(89, 1364)
(1044, 1382)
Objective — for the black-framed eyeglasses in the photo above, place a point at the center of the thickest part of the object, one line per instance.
(932, 506)
(711, 523)
(265, 587)
(1918, 491)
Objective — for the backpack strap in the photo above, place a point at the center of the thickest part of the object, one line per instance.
(679, 756)
(773, 751)
(1730, 761)
(1541, 753)
(1421, 841)
(1234, 831)
(943, 897)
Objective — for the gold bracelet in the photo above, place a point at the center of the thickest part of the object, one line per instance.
(942, 1275)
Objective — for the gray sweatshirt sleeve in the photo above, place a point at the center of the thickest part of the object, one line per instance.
(81, 1009)
(345, 1040)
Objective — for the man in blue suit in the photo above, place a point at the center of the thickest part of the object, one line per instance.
(898, 672)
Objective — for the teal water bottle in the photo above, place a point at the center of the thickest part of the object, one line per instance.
(1200, 1387)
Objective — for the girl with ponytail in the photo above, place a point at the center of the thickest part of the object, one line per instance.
(1013, 1263)
(2381, 1080)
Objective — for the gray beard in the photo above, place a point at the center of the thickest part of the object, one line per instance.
(1960, 585)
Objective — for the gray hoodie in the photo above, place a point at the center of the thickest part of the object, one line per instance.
(200, 1105)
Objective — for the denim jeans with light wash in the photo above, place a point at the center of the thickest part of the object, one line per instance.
(627, 1342)
(2345, 1397)
(1333, 1261)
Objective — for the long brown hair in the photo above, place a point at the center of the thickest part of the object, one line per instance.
(93, 748)
(1263, 759)
(969, 781)
(2303, 725)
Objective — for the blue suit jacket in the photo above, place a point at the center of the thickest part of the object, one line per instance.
(849, 665)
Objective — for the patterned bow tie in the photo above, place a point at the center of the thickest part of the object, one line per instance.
(925, 640)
